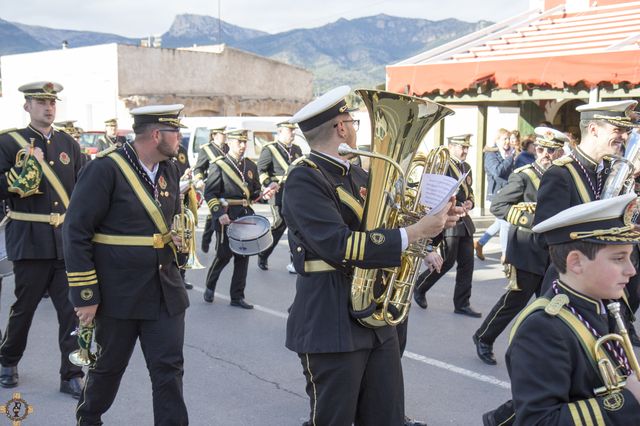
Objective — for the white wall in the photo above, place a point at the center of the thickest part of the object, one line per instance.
(88, 74)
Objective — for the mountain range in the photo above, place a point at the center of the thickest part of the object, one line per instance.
(346, 51)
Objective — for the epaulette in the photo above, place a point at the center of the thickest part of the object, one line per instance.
(556, 304)
(306, 161)
(7, 130)
(563, 161)
(106, 152)
(519, 169)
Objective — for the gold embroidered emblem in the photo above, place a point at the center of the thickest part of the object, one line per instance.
(16, 409)
(162, 182)
(613, 402)
(48, 88)
(215, 208)
(64, 158)
(376, 238)
(629, 212)
(523, 220)
(182, 158)
(550, 135)
(86, 294)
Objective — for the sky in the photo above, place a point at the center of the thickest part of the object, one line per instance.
(140, 18)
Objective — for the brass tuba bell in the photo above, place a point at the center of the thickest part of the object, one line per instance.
(381, 297)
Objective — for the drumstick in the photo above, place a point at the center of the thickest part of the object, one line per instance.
(243, 222)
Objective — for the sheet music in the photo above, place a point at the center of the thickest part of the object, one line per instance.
(437, 190)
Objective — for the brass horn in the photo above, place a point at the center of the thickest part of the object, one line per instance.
(184, 226)
(613, 380)
(83, 357)
(399, 123)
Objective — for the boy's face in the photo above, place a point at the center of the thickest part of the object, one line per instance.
(606, 276)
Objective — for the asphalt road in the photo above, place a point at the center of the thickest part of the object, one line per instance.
(238, 372)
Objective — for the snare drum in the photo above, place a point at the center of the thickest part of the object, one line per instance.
(249, 235)
(6, 266)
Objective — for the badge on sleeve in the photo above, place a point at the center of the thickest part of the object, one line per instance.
(376, 238)
(86, 294)
(64, 158)
(182, 158)
(249, 174)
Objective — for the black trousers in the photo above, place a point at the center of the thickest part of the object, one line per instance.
(460, 250)
(161, 341)
(32, 279)
(364, 388)
(207, 233)
(223, 256)
(508, 306)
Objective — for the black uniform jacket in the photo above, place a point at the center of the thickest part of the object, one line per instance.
(273, 168)
(522, 251)
(322, 206)
(206, 155)
(182, 160)
(34, 240)
(558, 190)
(465, 226)
(241, 184)
(553, 379)
(129, 282)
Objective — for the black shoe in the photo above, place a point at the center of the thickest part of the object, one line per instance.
(411, 422)
(72, 387)
(421, 299)
(208, 295)
(263, 263)
(9, 376)
(484, 351)
(468, 311)
(241, 304)
(188, 285)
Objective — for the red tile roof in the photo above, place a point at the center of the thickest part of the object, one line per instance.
(551, 49)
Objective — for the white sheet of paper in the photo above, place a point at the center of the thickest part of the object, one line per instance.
(437, 190)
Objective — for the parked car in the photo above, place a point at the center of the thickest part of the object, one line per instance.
(89, 140)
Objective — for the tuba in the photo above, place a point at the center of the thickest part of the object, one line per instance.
(613, 380)
(382, 297)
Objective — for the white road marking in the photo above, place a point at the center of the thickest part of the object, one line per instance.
(411, 355)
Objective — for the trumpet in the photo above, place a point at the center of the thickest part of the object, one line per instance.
(83, 357)
(613, 380)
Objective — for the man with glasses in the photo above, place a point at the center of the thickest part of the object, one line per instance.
(122, 268)
(275, 159)
(516, 203)
(458, 241)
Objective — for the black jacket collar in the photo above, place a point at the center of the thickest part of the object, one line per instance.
(588, 162)
(327, 163)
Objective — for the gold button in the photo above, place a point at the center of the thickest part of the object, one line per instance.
(51, 163)
(55, 203)
(160, 267)
(48, 141)
(299, 249)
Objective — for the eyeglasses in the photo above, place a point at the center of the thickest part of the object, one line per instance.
(356, 123)
(541, 149)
